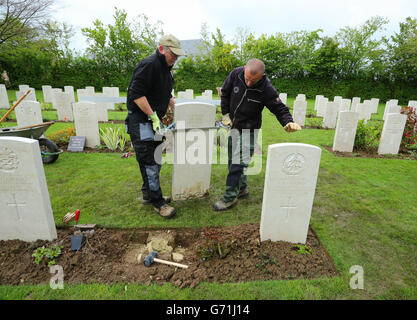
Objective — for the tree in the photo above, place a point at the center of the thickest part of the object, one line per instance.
(22, 17)
(403, 51)
(358, 48)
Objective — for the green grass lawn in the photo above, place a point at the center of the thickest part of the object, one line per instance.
(364, 213)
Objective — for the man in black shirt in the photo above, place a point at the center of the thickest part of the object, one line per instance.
(244, 94)
(148, 98)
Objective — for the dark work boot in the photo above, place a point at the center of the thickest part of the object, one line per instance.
(148, 201)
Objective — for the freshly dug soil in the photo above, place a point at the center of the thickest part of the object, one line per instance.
(364, 154)
(105, 258)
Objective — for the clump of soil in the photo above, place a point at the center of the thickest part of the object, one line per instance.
(110, 256)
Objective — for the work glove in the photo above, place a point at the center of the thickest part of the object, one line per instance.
(292, 127)
(156, 125)
(226, 120)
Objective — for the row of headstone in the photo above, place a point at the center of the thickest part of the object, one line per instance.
(391, 135)
(187, 94)
(290, 179)
(206, 95)
(285, 217)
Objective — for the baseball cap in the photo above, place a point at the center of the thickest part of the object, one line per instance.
(173, 43)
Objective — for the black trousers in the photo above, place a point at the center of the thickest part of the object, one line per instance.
(149, 157)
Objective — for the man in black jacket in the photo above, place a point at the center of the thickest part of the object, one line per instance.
(245, 92)
(148, 98)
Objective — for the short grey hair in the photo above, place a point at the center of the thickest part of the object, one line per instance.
(255, 66)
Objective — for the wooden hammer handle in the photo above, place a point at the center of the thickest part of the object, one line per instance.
(15, 105)
(170, 263)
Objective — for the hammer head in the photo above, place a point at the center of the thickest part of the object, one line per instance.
(149, 259)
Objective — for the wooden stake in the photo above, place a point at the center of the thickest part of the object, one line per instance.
(14, 106)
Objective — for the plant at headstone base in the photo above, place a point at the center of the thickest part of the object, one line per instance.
(409, 139)
(266, 260)
(314, 122)
(216, 245)
(62, 136)
(122, 141)
(301, 249)
(50, 253)
(110, 137)
(367, 136)
(119, 106)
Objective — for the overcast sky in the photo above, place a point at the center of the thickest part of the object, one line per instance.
(184, 18)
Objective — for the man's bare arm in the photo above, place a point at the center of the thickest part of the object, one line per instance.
(143, 105)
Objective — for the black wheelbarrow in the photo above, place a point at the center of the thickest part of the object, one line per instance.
(49, 149)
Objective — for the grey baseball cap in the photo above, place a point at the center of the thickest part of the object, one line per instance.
(173, 43)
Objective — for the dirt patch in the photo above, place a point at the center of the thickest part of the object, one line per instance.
(110, 256)
(364, 154)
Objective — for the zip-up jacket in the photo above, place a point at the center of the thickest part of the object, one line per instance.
(245, 104)
(153, 79)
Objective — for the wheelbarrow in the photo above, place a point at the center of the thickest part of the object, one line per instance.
(49, 149)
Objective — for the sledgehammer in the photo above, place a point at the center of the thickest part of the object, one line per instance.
(152, 257)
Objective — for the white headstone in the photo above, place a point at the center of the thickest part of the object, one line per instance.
(90, 91)
(299, 113)
(374, 104)
(110, 92)
(345, 105)
(4, 98)
(54, 90)
(63, 106)
(329, 119)
(290, 183)
(23, 87)
(81, 92)
(86, 122)
(392, 133)
(189, 94)
(181, 95)
(47, 94)
(25, 207)
(355, 102)
(301, 97)
(321, 107)
(102, 109)
(344, 137)
(70, 90)
(283, 97)
(338, 99)
(391, 107)
(208, 94)
(28, 113)
(318, 97)
(411, 103)
(193, 149)
(363, 110)
(30, 97)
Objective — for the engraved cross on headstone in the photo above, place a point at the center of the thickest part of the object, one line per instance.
(288, 207)
(16, 205)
